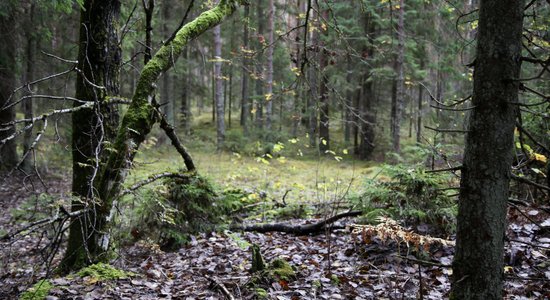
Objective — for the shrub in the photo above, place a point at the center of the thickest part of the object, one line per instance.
(411, 195)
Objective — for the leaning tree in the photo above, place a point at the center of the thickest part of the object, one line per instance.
(93, 242)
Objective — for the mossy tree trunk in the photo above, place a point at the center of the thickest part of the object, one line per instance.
(99, 59)
(8, 153)
(135, 125)
(479, 258)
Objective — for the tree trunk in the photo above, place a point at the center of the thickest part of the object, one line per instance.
(185, 102)
(313, 76)
(365, 106)
(8, 153)
(324, 138)
(29, 77)
(245, 101)
(297, 107)
(478, 263)
(348, 104)
(419, 111)
(269, 76)
(136, 124)
(99, 60)
(259, 68)
(166, 87)
(397, 103)
(218, 89)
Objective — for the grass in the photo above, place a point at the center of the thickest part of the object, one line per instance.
(308, 179)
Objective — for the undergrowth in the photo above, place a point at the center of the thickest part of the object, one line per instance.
(409, 194)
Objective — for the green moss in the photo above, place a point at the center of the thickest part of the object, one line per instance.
(101, 271)
(260, 293)
(282, 269)
(38, 291)
(258, 263)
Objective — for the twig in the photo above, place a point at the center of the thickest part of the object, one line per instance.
(447, 130)
(151, 179)
(445, 170)
(220, 286)
(527, 181)
(424, 262)
(46, 221)
(527, 243)
(526, 278)
(518, 125)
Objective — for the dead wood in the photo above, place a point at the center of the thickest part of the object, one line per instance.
(297, 229)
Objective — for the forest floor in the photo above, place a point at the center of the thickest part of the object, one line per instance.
(332, 265)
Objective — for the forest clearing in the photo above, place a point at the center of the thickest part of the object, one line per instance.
(274, 149)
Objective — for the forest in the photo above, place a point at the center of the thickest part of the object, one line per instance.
(274, 149)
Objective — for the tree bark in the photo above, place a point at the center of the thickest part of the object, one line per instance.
(185, 99)
(269, 72)
(348, 104)
(166, 87)
(324, 105)
(8, 153)
(397, 103)
(259, 68)
(366, 107)
(313, 77)
(30, 49)
(218, 88)
(136, 124)
(99, 60)
(478, 263)
(245, 98)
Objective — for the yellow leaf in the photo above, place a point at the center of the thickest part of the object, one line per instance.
(268, 97)
(539, 157)
(345, 151)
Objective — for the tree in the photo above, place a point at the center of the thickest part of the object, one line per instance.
(324, 105)
(478, 262)
(245, 98)
(313, 79)
(398, 97)
(218, 88)
(142, 114)
(8, 153)
(99, 59)
(269, 69)
(30, 49)
(259, 67)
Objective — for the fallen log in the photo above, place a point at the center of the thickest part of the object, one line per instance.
(296, 229)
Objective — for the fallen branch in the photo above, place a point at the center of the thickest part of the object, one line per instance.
(297, 229)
